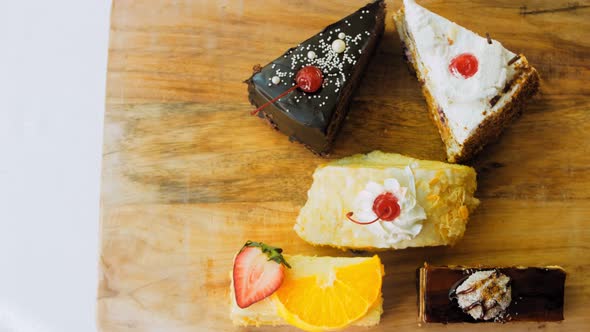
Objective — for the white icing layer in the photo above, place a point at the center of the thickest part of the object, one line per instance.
(464, 101)
(407, 225)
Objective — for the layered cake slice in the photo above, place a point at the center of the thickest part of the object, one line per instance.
(473, 86)
(387, 201)
(305, 93)
(457, 294)
(311, 293)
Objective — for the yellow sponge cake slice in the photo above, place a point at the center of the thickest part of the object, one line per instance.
(387, 201)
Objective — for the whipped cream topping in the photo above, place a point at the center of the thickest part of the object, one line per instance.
(407, 225)
(484, 294)
(464, 101)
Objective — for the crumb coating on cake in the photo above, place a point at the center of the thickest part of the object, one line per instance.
(445, 191)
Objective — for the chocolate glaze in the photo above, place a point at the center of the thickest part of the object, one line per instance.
(537, 293)
(314, 118)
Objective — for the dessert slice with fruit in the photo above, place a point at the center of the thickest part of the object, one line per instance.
(458, 294)
(306, 92)
(473, 86)
(311, 293)
(387, 201)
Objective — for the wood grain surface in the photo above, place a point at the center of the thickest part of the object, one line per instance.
(189, 175)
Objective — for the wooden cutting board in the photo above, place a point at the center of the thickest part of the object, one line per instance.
(189, 175)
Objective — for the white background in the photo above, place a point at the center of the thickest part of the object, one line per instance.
(53, 57)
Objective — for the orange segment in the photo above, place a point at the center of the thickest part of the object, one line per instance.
(331, 300)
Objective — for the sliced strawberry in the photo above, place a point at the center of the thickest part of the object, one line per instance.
(259, 271)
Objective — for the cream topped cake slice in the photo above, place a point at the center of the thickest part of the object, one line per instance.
(473, 86)
(387, 201)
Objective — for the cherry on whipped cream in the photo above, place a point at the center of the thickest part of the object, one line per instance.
(385, 207)
(464, 64)
(308, 79)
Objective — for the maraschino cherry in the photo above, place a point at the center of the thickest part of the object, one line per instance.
(464, 64)
(385, 206)
(308, 79)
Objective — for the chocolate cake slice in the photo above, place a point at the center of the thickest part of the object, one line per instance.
(456, 294)
(322, 73)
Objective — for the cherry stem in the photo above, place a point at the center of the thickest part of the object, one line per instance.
(349, 216)
(254, 112)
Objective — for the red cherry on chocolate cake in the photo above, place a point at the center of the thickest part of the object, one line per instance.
(308, 79)
(464, 64)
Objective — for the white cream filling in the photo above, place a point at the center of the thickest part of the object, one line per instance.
(464, 101)
(407, 225)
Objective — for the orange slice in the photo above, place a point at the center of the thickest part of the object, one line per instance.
(331, 299)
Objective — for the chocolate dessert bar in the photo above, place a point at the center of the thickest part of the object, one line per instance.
(313, 82)
(455, 294)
